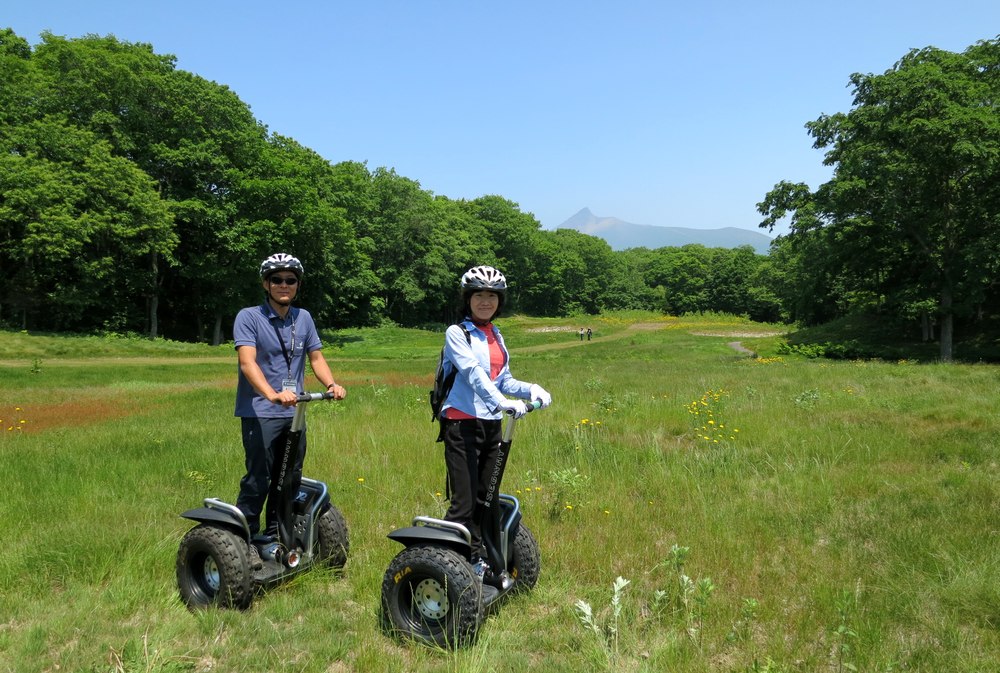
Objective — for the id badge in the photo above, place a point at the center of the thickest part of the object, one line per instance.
(288, 384)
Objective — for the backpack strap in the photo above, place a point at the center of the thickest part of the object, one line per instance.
(449, 381)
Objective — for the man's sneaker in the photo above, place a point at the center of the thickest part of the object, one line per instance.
(255, 561)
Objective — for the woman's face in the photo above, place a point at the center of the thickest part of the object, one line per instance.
(483, 305)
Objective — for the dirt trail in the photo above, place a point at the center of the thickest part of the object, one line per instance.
(575, 341)
(737, 346)
(645, 327)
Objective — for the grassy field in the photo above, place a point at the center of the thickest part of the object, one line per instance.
(768, 513)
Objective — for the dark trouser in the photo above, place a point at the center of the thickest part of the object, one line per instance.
(470, 450)
(264, 445)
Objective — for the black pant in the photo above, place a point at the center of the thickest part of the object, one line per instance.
(470, 452)
(264, 444)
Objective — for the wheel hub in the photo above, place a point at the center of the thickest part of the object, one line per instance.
(210, 571)
(431, 599)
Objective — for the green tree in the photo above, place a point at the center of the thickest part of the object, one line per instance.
(351, 192)
(558, 275)
(420, 247)
(513, 240)
(195, 138)
(572, 273)
(289, 201)
(79, 225)
(21, 89)
(686, 275)
(912, 207)
(737, 285)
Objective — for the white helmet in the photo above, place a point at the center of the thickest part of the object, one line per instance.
(480, 278)
(281, 262)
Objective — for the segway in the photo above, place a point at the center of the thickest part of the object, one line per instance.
(214, 564)
(430, 592)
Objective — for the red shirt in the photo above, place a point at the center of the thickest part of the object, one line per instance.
(496, 364)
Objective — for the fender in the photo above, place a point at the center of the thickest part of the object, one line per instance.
(219, 512)
(426, 530)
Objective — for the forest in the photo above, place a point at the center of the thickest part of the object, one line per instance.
(139, 198)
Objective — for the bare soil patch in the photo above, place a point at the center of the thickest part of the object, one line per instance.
(76, 413)
(740, 335)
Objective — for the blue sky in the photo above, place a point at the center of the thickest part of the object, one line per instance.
(655, 112)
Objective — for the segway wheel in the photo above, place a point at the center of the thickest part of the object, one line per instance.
(333, 540)
(431, 595)
(526, 563)
(213, 568)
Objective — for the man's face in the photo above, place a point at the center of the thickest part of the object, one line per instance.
(281, 286)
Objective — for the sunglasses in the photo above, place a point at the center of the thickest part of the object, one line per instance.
(291, 280)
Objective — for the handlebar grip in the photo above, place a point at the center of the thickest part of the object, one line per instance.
(531, 406)
(312, 397)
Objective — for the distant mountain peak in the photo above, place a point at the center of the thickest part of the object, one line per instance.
(622, 235)
(581, 218)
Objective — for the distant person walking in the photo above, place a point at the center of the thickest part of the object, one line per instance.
(581, 334)
(590, 333)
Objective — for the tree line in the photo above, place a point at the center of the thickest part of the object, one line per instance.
(137, 197)
(909, 224)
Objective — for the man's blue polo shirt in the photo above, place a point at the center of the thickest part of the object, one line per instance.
(261, 327)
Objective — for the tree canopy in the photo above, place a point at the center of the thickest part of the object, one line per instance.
(908, 223)
(136, 197)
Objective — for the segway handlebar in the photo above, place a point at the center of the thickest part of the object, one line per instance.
(312, 397)
(508, 431)
(532, 406)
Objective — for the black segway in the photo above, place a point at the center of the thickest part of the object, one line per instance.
(430, 592)
(214, 565)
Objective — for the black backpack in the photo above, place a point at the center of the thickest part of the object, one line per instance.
(443, 382)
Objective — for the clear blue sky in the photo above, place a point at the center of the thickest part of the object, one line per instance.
(641, 110)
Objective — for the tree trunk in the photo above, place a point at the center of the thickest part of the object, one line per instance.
(926, 327)
(947, 323)
(217, 333)
(154, 307)
(154, 299)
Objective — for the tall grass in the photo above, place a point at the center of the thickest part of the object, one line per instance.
(834, 516)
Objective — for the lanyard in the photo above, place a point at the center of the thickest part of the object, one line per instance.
(284, 350)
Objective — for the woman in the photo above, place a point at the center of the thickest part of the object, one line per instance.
(471, 414)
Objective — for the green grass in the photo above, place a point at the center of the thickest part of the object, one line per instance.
(26, 346)
(853, 504)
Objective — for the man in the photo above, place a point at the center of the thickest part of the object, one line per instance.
(273, 341)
